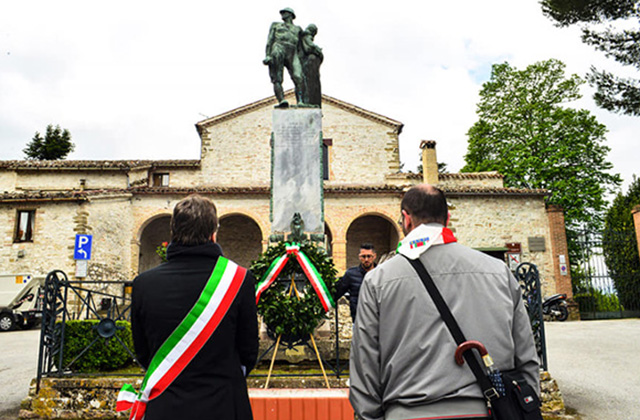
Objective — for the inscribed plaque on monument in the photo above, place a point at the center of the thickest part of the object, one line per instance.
(296, 178)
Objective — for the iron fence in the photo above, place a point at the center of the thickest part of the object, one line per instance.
(605, 285)
(65, 300)
(110, 301)
(529, 277)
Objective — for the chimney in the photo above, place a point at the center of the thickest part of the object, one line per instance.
(429, 162)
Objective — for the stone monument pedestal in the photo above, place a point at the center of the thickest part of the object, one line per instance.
(296, 174)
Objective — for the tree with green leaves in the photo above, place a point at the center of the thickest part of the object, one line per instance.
(613, 93)
(620, 247)
(55, 145)
(525, 133)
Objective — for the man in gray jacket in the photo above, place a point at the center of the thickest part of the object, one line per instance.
(402, 354)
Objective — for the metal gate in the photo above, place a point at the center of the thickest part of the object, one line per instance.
(106, 302)
(529, 278)
(606, 275)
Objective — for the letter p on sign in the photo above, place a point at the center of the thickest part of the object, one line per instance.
(82, 249)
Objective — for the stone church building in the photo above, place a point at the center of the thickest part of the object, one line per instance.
(126, 205)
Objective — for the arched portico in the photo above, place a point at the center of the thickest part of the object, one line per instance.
(156, 231)
(371, 228)
(240, 238)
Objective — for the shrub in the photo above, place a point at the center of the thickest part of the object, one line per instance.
(595, 300)
(105, 354)
(620, 246)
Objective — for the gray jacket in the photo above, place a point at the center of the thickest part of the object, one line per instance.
(402, 354)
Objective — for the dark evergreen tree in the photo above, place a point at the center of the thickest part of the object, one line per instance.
(55, 145)
(613, 93)
(620, 247)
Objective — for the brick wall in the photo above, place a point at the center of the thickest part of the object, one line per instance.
(559, 247)
(636, 222)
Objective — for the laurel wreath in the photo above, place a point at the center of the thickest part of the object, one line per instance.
(282, 311)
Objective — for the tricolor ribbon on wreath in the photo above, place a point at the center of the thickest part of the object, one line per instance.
(188, 338)
(307, 267)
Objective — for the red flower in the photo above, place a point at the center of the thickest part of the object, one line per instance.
(164, 244)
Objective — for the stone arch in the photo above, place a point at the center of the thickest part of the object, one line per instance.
(374, 228)
(151, 234)
(240, 237)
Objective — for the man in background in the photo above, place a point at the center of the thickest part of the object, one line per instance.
(352, 279)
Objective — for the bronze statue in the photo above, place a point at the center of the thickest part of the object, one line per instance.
(297, 229)
(283, 51)
(311, 59)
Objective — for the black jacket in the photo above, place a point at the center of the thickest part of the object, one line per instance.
(351, 282)
(212, 386)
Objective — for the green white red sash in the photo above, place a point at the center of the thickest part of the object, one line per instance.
(422, 238)
(307, 267)
(188, 338)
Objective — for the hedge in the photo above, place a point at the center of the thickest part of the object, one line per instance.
(106, 354)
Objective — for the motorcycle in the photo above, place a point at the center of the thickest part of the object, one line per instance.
(556, 307)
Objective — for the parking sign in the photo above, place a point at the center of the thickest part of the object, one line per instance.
(82, 249)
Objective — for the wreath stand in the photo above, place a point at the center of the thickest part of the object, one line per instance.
(294, 289)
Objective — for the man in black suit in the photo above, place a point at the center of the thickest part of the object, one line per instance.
(212, 384)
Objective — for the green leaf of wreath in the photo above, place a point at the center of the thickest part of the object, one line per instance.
(283, 313)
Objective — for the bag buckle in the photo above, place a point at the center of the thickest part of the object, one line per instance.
(491, 394)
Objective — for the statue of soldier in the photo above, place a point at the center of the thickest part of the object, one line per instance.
(283, 51)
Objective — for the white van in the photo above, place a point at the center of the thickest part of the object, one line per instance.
(20, 301)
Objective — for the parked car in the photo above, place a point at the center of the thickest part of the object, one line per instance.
(20, 301)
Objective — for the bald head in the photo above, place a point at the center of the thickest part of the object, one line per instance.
(426, 204)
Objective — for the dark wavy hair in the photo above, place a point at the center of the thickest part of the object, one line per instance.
(194, 221)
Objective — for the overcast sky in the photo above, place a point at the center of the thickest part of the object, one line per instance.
(130, 79)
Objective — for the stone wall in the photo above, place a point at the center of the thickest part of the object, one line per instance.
(53, 239)
(8, 180)
(237, 152)
(110, 222)
(183, 178)
(88, 399)
(63, 180)
(488, 222)
(362, 151)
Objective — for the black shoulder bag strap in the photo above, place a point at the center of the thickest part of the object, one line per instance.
(484, 382)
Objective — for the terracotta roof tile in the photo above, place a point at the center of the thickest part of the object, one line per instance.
(76, 195)
(20, 196)
(460, 175)
(103, 165)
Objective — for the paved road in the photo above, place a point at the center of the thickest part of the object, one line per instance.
(597, 366)
(18, 362)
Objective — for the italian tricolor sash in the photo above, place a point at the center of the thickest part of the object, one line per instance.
(188, 338)
(307, 267)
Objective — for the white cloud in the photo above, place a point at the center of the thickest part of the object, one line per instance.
(130, 79)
